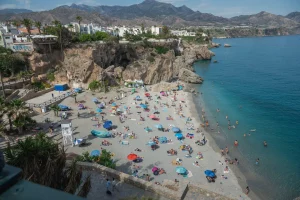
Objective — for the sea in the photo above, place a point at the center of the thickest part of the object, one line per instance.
(257, 83)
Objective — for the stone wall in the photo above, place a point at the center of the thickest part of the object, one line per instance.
(32, 94)
(178, 194)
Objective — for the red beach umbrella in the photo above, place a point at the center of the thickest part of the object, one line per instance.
(152, 116)
(147, 94)
(132, 156)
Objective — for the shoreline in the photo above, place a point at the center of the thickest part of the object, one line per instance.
(195, 110)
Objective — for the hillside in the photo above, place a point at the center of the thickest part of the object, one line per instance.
(151, 12)
(264, 19)
(294, 16)
(64, 14)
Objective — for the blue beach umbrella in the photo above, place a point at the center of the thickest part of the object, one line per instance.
(179, 135)
(175, 129)
(95, 153)
(143, 106)
(125, 107)
(181, 170)
(158, 126)
(114, 104)
(209, 173)
(150, 143)
(95, 100)
(137, 97)
(162, 140)
(147, 129)
(98, 110)
(63, 107)
(107, 124)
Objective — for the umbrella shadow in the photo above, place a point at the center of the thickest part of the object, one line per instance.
(86, 115)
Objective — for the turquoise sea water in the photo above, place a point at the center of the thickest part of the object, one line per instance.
(257, 82)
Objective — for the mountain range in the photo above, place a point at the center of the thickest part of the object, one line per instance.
(149, 12)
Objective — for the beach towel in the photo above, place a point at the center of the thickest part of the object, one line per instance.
(226, 172)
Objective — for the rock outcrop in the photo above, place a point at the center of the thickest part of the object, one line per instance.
(83, 63)
(189, 76)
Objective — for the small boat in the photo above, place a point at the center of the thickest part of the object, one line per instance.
(227, 45)
(253, 130)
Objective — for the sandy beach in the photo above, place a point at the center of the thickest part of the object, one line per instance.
(225, 184)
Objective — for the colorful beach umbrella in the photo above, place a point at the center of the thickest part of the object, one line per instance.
(179, 135)
(159, 126)
(137, 97)
(152, 116)
(132, 156)
(95, 153)
(181, 170)
(150, 143)
(114, 104)
(175, 129)
(95, 100)
(143, 106)
(210, 173)
(154, 169)
(107, 124)
(162, 140)
(147, 94)
(98, 110)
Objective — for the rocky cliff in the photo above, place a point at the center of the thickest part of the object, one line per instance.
(118, 62)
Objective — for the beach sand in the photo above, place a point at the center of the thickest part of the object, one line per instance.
(82, 127)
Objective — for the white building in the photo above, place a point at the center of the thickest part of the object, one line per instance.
(156, 30)
(182, 33)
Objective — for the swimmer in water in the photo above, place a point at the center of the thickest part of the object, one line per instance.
(265, 144)
(236, 143)
(257, 161)
(244, 134)
(218, 110)
(237, 122)
(226, 117)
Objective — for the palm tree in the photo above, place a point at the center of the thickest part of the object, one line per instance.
(79, 19)
(27, 23)
(38, 25)
(44, 162)
(16, 109)
(55, 109)
(59, 29)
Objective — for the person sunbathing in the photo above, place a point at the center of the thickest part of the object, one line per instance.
(196, 163)
(137, 149)
(200, 156)
(162, 171)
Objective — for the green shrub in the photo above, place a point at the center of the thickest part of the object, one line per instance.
(161, 50)
(85, 38)
(104, 159)
(100, 36)
(94, 85)
(38, 85)
(50, 77)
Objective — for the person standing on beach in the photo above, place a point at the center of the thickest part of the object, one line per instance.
(226, 150)
(108, 184)
(222, 152)
(247, 190)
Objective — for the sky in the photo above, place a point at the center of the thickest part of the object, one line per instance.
(224, 8)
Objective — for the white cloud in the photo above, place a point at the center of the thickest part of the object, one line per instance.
(5, 6)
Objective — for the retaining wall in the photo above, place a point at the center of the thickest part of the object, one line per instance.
(137, 182)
